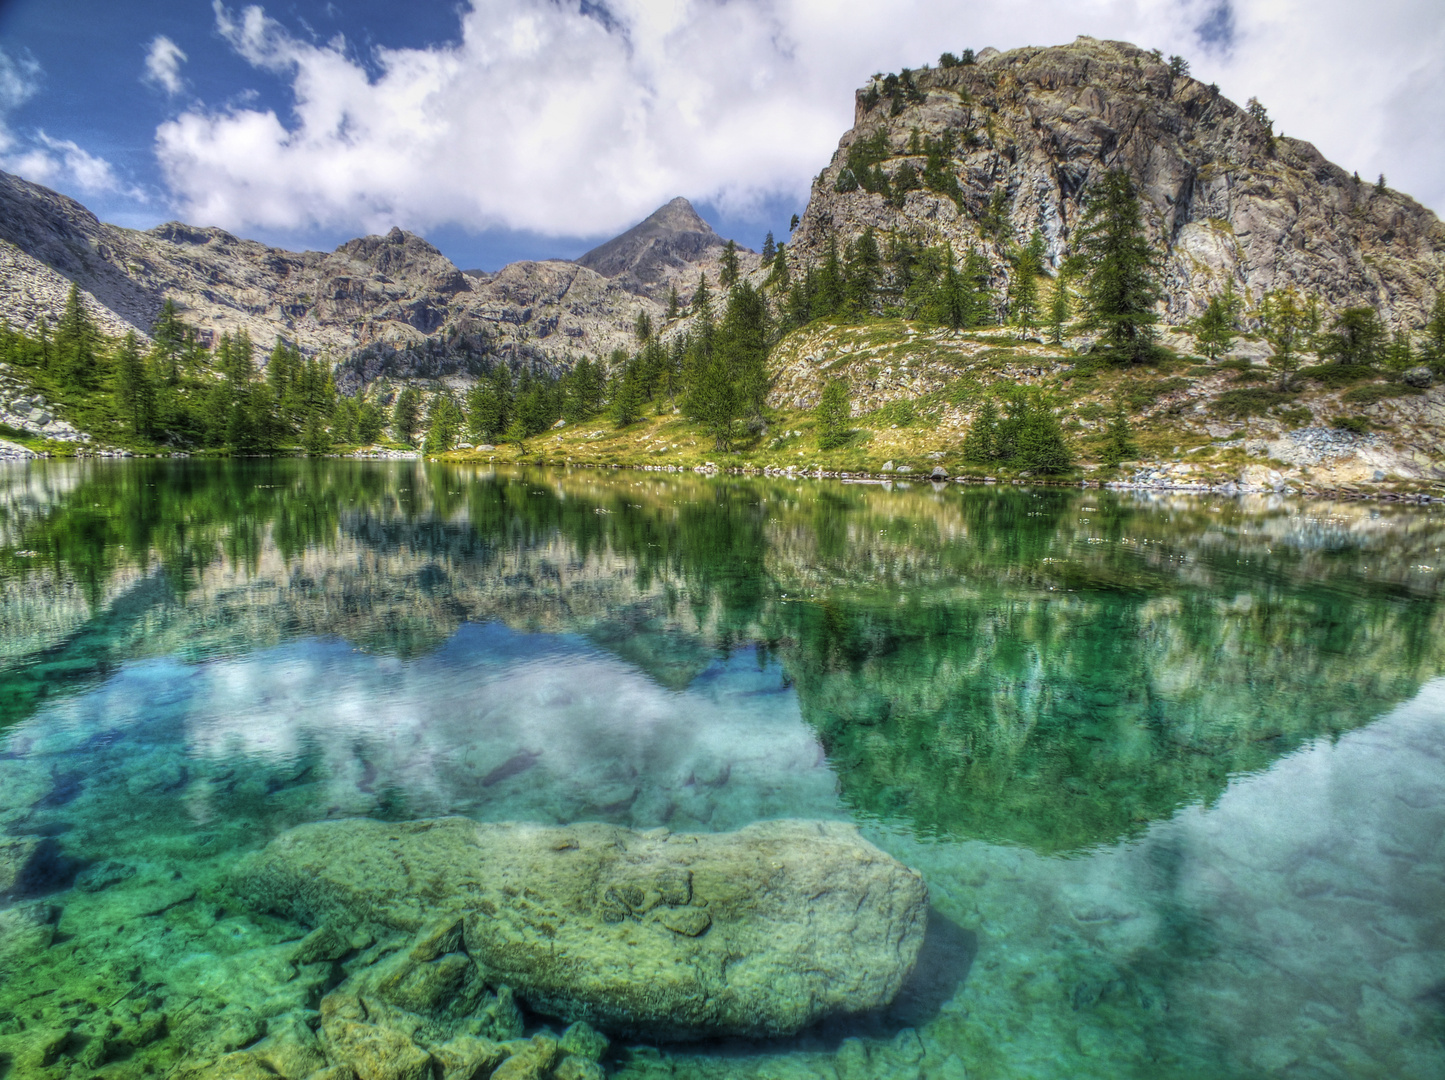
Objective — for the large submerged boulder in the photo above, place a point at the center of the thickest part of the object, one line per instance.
(759, 932)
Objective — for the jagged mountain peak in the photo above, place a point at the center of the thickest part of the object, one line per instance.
(672, 237)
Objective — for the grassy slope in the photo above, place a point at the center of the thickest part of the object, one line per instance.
(914, 393)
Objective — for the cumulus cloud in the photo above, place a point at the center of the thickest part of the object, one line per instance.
(40, 158)
(163, 65)
(570, 117)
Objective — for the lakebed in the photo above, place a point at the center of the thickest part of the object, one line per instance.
(1171, 766)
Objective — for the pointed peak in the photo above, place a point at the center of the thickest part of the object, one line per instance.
(674, 234)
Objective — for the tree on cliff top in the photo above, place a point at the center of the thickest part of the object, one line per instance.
(1117, 265)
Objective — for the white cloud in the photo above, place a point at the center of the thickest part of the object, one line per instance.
(63, 163)
(163, 65)
(39, 157)
(19, 82)
(548, 117)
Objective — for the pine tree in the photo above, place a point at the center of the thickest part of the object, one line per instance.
(1118, 266)
(1217, 327)
(134, 391)
(444, 424)
(728, 275)
(702, 299)
(1284, 324)
(770, 249)
(829, 295)
(860, 274)
(1059, 310)
(980, 445)
(76, 361)
(627, 395)
(674, 305)
(315, 438)
(406, 414)
(369, 423)
(832, 415)
(778, 277)
(1024, 287)
(344, 421)
(1119, 438)
(742, 347)
(1357, 337)
(1434, 348)
(642, 328)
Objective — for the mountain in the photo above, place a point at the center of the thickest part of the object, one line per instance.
(381, 306)
(1025, 133)
(673, 238)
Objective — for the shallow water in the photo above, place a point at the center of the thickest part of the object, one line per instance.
(1173, 768)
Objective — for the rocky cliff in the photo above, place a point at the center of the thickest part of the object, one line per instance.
(1227, 200)
(388, 305)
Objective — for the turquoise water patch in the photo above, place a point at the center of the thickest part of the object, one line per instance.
(1173, 770)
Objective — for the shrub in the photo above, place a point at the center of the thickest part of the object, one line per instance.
(1334, 376)
(1368, 395)
(1358, 424)
(1255, 401)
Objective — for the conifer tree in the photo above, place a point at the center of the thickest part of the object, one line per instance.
(674, 305)
(406, 414)
(1118, 267)
(1284, 324)
(1119, 438)
(642, 328)
(778, 277)
(702, 299)
(1217, 327)
(369, 423)
(628, 397)
(980, 444)
(829, 295)
(444, 424)
(770, 249)
(832, 415)
(1357, 337)
(134, 391)
(75, 357)
(1024, 287)
(728, 275)
(344, 420)
(1059, 309)
(316, 440)
(1434, 348)
(861, 274)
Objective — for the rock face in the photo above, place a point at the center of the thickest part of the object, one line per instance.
(1225, 198)
(674, 237)
(388, 305)
(759, 932)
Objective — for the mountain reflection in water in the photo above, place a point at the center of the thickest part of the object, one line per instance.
(1172, 767)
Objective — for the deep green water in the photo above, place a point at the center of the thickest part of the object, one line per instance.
(1173, 768)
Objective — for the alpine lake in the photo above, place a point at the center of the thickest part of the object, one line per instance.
(1171, 767)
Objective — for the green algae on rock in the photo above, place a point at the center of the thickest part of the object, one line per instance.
(760, 932)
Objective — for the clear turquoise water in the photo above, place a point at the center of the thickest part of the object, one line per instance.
(1174, 769)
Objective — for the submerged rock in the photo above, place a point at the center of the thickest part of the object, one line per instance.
(759, 932)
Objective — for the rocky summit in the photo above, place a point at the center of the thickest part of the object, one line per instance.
(760, 932)
(1025, 133)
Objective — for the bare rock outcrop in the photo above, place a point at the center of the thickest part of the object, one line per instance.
(759, 932)
(1226, 199)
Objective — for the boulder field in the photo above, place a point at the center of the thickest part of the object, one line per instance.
(759, 932)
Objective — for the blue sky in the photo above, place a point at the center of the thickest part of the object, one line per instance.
(507, 129)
